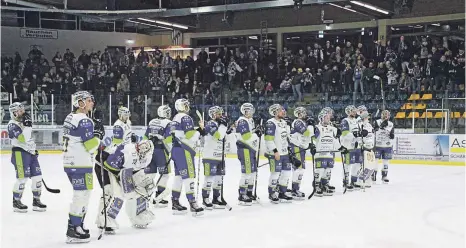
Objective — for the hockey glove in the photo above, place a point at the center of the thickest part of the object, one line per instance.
(312, 149)
(288, 120)
(343, 150)
(134, 138)
(223, 121)
(229, 130)
(392, 135)
(356, 134)
(258, 132)
(338, 133)
(27, 122)
(99, 130)
(310, 121)
(201, 131)
(364, 133)
(384, 124)
(376, 126)
(36, 152)
(296, 163)
(356, 144)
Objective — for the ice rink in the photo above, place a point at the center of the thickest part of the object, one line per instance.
(423, 206)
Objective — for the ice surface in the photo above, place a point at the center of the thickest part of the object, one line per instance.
(423, 206)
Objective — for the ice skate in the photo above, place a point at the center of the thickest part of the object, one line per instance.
(160, 203)
(319, 191)
(252, 197)
(207, 204)
(350, 187)
(274, 198)
(75, 234)
(284, 198)
(244, 200)
(177, 208)
(298, 195)
(218, 204)
(19, 207)
(38, 206)
(327, 191)
(107, 230)
(195, 209)
(385, 180)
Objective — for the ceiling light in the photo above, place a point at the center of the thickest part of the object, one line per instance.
(150, 25)
(253, 37)
(435, 24)
(368, 6)
(345, 8)
(164, 23)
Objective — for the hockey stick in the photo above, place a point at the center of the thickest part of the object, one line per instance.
(314, 173)
(102, 230)
(201, 117)
(54, 191)
(345, 182)
(257, 166)
(228, 207)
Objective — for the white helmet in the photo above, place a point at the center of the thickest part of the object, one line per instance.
(324, 117)
(15, 107)
(214, 110)
(123, 112)
(182, 105)
(385, 115)
(275, 109)
(349, 109)
(80, 96)
(145, 149)
(328, 110)
(361, 109)
(164, 111)
(300, 112)
(247, 109)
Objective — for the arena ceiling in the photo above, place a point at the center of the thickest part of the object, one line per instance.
(188, 12)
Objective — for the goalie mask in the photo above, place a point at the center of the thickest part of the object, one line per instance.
(247, 110)
(123, 113)
(16, 110)
(300, 112)
(145, 149)
(215, 112)
(164, 111)
(182, 105)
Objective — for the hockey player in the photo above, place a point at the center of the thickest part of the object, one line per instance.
(302, 130)
(80, 141)
(247, 144)
(367, 135)
(325, 137)
(384, 135)
(122, 133)
(351, 138)
(160, 133)
(24, 158)
(128, 181)
(276, 142)
(216, 130)
(183, 153)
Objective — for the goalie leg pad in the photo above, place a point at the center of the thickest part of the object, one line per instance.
(139, 213)
(126, 179)
(144, 183)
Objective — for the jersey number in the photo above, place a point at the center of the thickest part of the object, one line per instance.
(65, 143)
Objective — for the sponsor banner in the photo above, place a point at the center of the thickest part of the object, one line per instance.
(457, 147)
(433, 145)
(38, 33)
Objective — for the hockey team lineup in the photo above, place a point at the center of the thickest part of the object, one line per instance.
(136, 173)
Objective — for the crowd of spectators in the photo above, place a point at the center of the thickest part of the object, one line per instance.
(420, 65)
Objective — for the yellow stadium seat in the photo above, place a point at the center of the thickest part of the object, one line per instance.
(407, 106)
(426, 97)
(455, 115)
(414, 97)
(428, 114)
(415, 114)
(464, 115)
(440, 115)
(400, 115)
(420, 106)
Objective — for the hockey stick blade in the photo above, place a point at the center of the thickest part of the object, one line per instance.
(54, 191)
